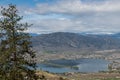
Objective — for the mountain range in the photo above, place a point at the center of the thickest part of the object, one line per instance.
(65, 41)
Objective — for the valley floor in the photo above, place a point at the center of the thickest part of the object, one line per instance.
(111, 55)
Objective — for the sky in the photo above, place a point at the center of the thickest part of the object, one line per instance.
(78, 16)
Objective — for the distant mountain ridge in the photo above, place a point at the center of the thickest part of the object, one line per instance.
(33, 34)
(65, 41)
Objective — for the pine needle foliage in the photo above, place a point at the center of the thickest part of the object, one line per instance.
(17, 58)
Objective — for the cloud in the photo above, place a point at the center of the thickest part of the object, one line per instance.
(76, 16)
(76, 7)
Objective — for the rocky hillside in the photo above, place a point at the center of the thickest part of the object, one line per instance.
(63, 41)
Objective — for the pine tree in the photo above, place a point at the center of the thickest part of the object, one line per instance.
(17, 59)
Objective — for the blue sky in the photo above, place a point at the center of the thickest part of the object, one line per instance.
(29, 3)
(91, 16)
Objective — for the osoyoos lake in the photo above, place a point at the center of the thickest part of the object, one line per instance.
(79, 65)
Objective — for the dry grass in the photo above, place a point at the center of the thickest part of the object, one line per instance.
(94, 76)
(49, 76)
(79, 76)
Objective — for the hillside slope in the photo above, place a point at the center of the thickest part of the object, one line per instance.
(63, 41)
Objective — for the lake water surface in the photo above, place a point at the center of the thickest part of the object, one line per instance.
(79, 65)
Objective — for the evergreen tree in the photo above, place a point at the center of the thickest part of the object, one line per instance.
(17, 59)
